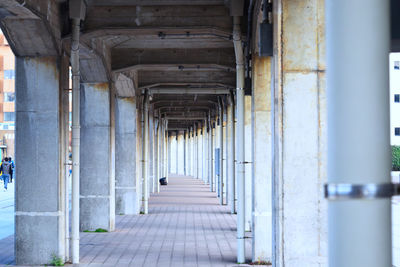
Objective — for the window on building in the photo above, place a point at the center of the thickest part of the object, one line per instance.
(397, 65)
(9, 74)
(10, 97)
(397, 131)
(10, 116)
(397, 98)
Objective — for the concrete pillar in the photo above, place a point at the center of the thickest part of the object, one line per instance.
(127, 199)
(248, 152)
(300, 131)
(226, 144)
(64, 71)
(38, 210)
(167, 154)
(181, 154)
(139, 152)
(215, 146)
(95, 184)
(221, 156)
(262, 160)
(162, 148)
(151, 152)
(205, 153)
(211, 150)
(359, 150)
(156, 154)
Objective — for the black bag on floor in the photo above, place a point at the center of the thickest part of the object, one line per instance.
(163, 181)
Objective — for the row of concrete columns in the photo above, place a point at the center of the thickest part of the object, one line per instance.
(112, 180)
(277, 181)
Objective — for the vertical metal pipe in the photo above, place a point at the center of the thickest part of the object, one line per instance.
(232, 157)
(358, 133)
(75, 140)
(184, 152)
(227, 175)
(237, 41)
(145, 133)
(156, 154)
(211, 154)
(167, 151)
(195, 150)
(221, 152)
(177, 152)
(189, 172)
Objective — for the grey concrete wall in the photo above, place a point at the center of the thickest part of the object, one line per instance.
(126, 193)
(262, 160)
(38, 208)
(95, 187)
(300, 134)
(139, 143)
(248, 139)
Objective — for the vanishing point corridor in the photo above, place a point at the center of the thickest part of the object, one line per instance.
(185, 226)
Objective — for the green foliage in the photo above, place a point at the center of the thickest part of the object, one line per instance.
(98, 230)
(56, 261)
(395, 158)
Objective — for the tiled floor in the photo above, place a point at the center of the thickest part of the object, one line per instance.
(185, 227)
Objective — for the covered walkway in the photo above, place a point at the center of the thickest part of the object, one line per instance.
(185, 227)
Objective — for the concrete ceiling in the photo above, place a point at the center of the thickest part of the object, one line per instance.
(138, 44)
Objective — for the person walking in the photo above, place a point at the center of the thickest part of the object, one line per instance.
(12, 168)
(5, 168)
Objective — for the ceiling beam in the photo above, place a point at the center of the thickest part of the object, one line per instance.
(177, 67)
(186, 91)
(185, 118)
(193, 85)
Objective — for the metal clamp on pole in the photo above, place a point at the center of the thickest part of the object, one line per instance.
(360, 191)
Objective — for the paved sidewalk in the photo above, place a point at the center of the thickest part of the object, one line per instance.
(186, 227)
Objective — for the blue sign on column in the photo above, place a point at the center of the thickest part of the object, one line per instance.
(217, 161)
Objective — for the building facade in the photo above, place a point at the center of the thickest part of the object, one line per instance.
(7, 98)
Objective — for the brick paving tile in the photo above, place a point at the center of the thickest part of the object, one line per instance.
(185, 227)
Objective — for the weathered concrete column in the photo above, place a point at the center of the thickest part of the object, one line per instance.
(127, 199)
(38, 208)
(262, 160)
(300, 132)
(151, 152)
(221, 156)
(211, 145)
(167, 152)
(248, 152)
(95, 154)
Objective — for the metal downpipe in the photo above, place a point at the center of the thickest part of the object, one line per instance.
(144, 124)
(232, 157)
(221, 151)
(211, 153)
(237, 41)
(75, 140)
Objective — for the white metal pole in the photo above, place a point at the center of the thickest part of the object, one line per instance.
(358, 41)
(211, 154)
(156, 154)
(167, 151)
(144, 154)
(195, 151)
(237, 41)
(221, 153)
(232, 157)
(75, 140)
(227, 175)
